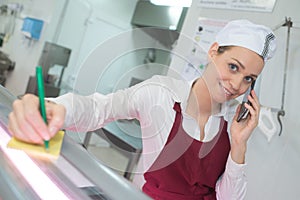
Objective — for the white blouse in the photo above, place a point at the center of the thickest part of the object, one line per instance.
(151, 102)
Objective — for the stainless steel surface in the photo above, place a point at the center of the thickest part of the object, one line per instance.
(150, 15)
(6, 65)
(163, 23)
(53, 54)
(12, 185)
(111, 183)
(104, 183)
(6, 100)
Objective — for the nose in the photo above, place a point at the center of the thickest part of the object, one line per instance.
(236, 82)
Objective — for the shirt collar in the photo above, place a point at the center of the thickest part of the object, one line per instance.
(223, 110)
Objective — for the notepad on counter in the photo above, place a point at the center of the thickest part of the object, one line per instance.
(54, 145)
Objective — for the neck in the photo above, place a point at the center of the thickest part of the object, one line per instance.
(200, 102)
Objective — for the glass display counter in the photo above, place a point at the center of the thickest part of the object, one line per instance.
(75, 174)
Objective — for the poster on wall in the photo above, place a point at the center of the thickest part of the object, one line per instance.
(204, 35)
(247, 5)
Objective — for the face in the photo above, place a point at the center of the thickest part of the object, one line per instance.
(230, 74)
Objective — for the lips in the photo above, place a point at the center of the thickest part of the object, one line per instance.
(226, 92)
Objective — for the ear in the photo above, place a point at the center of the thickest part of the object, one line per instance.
(213, 50)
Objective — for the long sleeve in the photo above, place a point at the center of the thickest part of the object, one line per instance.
(147, 101)
(85, 113)
(233, 183)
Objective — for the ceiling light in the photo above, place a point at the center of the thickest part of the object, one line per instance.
(175, 3)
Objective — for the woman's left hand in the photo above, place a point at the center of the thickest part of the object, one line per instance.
(241, 131)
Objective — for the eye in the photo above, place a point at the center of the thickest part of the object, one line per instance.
(249, 79)
(233, 67)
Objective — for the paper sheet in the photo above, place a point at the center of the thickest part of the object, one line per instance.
(54, 145)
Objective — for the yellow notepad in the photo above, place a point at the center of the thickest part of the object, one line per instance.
(54, 145)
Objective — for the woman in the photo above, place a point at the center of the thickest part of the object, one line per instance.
(187, 151)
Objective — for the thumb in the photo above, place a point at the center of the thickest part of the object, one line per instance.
(53, 129)
(56, 119)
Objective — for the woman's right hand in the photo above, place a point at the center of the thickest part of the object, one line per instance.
(26, 123)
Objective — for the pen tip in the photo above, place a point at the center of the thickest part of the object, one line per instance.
(46, 143)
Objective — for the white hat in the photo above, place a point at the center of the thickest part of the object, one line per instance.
(244, 33)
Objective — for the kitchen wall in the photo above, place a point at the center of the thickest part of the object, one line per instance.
(23, 51)
(104, 45)
(111, 50)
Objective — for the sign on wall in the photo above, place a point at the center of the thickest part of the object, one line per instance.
(247, 5)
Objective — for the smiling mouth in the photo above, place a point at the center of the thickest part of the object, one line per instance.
(227, 93)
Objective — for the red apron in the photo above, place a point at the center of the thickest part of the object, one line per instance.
(187, 169)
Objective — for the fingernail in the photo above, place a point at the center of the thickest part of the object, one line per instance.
(52, 130)
(47, 138)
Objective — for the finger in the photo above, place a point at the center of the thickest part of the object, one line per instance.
(253, 114)
(253, 93)
(30, 136)
(22, 125)
(19, 122)
(250, 108)
(33, 116)
(56, 117)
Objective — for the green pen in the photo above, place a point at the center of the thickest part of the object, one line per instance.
(41, 94)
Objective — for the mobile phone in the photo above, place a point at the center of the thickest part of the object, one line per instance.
(244, 111)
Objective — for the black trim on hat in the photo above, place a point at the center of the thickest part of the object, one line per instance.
(268, 39)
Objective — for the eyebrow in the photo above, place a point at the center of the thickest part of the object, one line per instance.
(242, 66)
